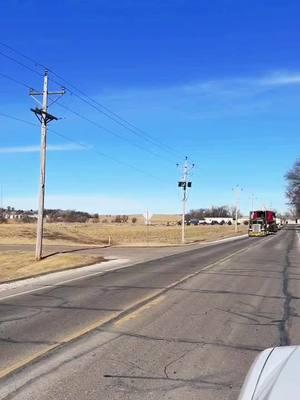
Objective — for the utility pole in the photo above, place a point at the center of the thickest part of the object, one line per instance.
(1, 196)
(44, 117)
(237, 189)
(184, 183)
(253, 198)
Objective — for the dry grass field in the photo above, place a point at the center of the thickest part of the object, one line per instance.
(156, 219)
(21, 264)
(120, 234)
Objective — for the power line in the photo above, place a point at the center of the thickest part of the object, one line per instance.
(111, 132)
(120, 121)
(20, 63)
(99, 153)
(89, 120)
(81, 116)
(112, 115)
(15, 80)
(93, 103)
(17, 119)
(144, 134)
(22, 55)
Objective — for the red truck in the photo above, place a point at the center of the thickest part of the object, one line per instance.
(262, 223)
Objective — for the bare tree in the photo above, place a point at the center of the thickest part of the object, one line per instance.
(213, 211)
(293, 187)
(232, 213)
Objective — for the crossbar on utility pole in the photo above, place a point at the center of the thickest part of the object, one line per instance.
(44, 117)
(184, 183)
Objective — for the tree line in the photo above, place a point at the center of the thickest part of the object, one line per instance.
(58, 215)
(52, 215)
(212, 212)
(293, 188)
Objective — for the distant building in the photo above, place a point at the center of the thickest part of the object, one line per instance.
(13, 215)
(218, 220)
(17, 215)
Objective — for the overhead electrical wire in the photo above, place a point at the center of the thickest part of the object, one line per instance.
(100, 153)
(20, 63)
(22, 54)
(119, 121)
(95, 104)
(87, 147)
(18, 119)
(15, 81)
(99, 126)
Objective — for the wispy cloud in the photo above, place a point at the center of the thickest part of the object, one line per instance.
(281, 79)
(36, 148)
(243, 85)
(211, 98)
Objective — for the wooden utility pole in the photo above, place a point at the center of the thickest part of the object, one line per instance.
(44, 117)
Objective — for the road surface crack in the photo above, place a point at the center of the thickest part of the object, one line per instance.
(284, 338)
(177, 359)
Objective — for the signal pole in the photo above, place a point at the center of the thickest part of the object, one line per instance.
(184, 183)
(44, 117)
(237, 189)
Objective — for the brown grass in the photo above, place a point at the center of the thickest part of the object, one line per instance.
(122, 234)
(16, 265)
(156, 219)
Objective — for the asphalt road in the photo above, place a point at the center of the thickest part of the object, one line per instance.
(185, 326)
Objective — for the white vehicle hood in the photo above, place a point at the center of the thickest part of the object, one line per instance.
(274, 375)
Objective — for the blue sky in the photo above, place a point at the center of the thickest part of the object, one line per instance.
(218, 81)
